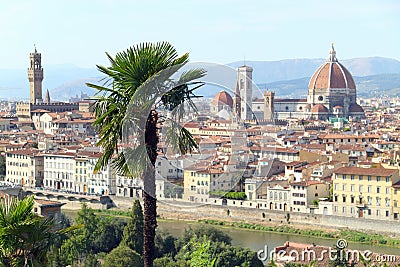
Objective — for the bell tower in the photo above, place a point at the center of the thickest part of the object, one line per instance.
(269, 105)
(243, 93)
(35, 77)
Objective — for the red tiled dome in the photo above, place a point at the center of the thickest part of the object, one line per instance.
(331, 74)
(223, 98)
(319, 108)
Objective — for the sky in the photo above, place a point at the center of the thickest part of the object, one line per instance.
(79, 32)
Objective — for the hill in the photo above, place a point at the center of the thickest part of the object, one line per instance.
(367, 86)
(290, 69)
(286, 77)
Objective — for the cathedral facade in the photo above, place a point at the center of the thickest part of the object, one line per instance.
(331, 93)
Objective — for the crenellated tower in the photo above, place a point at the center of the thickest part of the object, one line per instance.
(35, 77)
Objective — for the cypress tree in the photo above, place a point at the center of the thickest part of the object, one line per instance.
(133, 231)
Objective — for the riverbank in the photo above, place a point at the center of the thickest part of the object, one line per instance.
(360, 237)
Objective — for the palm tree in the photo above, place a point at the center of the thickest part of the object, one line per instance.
(24, 236)
(137, 84)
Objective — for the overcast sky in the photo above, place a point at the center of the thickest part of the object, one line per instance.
(80, 31)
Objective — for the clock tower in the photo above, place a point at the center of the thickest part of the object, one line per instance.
(35, 77)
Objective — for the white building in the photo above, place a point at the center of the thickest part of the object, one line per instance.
(24, 167)
(59, 171)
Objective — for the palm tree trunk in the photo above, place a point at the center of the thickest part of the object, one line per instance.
(149, 192)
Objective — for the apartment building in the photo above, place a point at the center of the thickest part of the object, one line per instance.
(59, 170)
(24, 167)
(305, 192)
(102, 182)
(365, 192)
(201, 181)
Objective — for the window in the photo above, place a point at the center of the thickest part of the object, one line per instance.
(344, 176)
(352, 177)
(387, 179)
(344, 199)
(352, 188)
(387, 213)
(369, 189)
(360, 188)
(336, 186)
(378, 178)
(378, 201)
(387, 190)
(369, 178)
(378, 189)
(344, 187)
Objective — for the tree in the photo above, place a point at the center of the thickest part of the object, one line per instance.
(139, 72)
(133, 232)
(109, 234)
(90, 222)
(122, 256)
(24, 236)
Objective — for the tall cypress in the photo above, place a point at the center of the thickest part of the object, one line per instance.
(133, 231)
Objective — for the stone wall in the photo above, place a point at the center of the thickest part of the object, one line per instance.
(261, 216)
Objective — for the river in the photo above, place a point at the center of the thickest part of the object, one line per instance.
(257, 240)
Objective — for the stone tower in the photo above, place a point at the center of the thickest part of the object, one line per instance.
(269, 105)
(243, 93)
(47, 98)
(35, 77)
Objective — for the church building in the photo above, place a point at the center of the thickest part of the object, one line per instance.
(331, 93)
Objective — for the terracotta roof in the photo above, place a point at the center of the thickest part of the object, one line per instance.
(331, 74)
(43, 202)
(307, 183)
(223, 98)
(26, 152)
(319, 108)
(356, 108)
(366, 171)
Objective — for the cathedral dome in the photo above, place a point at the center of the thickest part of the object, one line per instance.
(331, 74)
(223, 98)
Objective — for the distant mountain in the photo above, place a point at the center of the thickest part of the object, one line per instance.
(286, 77)
(73, 89)
(290, 69)
(367, 86)
(16, 80)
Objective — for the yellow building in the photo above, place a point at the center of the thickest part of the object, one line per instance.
(81, 173)
(365, 192)
(200, 181)
(396, 200)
